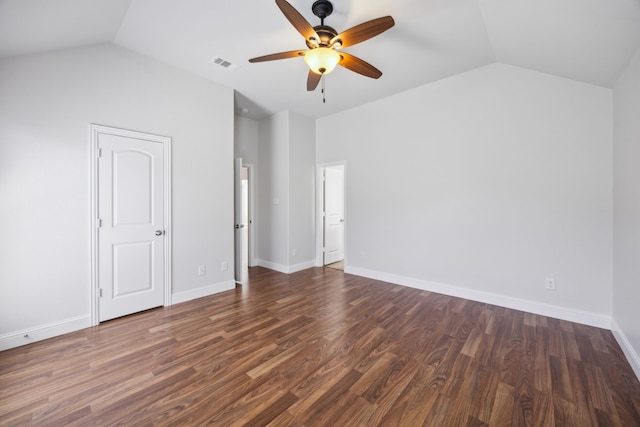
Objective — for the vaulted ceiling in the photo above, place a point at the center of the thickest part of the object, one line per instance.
(586, 40)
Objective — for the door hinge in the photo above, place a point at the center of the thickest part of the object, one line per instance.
(99, 152)
(100, 292)
(99, 222)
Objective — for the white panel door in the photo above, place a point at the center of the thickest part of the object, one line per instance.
(131, 241)
(333, 214)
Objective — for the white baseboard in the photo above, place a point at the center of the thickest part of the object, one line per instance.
(287, 269)
(281, 268)
(301, 266)
(184, 296)
(53, 329)
(43, 332)
(558, 312)
(632, 356)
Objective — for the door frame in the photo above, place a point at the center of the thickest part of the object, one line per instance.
(320, 167)
(95, 131)
(252, 225)
(250, 221)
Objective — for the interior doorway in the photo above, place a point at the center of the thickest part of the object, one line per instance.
(130, 209)
(331, 225)
(243, 220)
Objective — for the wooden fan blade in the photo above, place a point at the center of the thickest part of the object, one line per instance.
(363, 32)
(313, 80)
(281, 55)
(359, 66)
(297, 20)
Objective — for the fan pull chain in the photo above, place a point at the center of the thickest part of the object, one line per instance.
(324, 100)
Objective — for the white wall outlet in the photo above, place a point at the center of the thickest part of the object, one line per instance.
(294, 252)
(224, 266)
(550, 283)
(202, 270)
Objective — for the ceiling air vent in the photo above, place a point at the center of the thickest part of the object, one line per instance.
(224, 63)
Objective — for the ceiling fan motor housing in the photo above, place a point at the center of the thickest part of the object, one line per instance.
(326, 33)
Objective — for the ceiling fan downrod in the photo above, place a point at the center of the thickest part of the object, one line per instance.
(322, 9)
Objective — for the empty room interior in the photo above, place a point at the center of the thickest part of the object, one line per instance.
(175, 177)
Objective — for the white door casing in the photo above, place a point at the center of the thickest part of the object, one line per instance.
(249, 182)
(245, 220)
(333, 214)
(130, 212)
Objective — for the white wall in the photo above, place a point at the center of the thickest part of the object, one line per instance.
(482, 185)
(246, 139)
(286, 153)
(626, 284)
(47, 102)
(273, 191)
(302, 149)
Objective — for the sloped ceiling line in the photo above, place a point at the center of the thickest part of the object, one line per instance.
(584, 40)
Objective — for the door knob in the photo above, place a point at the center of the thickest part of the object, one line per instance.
(159, 232)
(239, 226)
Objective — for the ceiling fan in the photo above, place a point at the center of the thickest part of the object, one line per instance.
(324, 41)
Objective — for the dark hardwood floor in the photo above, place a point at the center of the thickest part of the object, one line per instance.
(323, 348)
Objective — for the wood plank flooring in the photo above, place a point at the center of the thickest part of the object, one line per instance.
(323, 348)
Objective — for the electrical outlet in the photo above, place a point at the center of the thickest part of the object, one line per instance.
(224, 266)
(550, 283)
(202, 270)
(294, 252)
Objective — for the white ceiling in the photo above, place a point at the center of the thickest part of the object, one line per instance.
(586, 40)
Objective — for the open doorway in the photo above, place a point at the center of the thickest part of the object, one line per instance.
(243, 220)
(332, 215)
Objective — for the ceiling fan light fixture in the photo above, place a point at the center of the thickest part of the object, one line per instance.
(322, 60)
